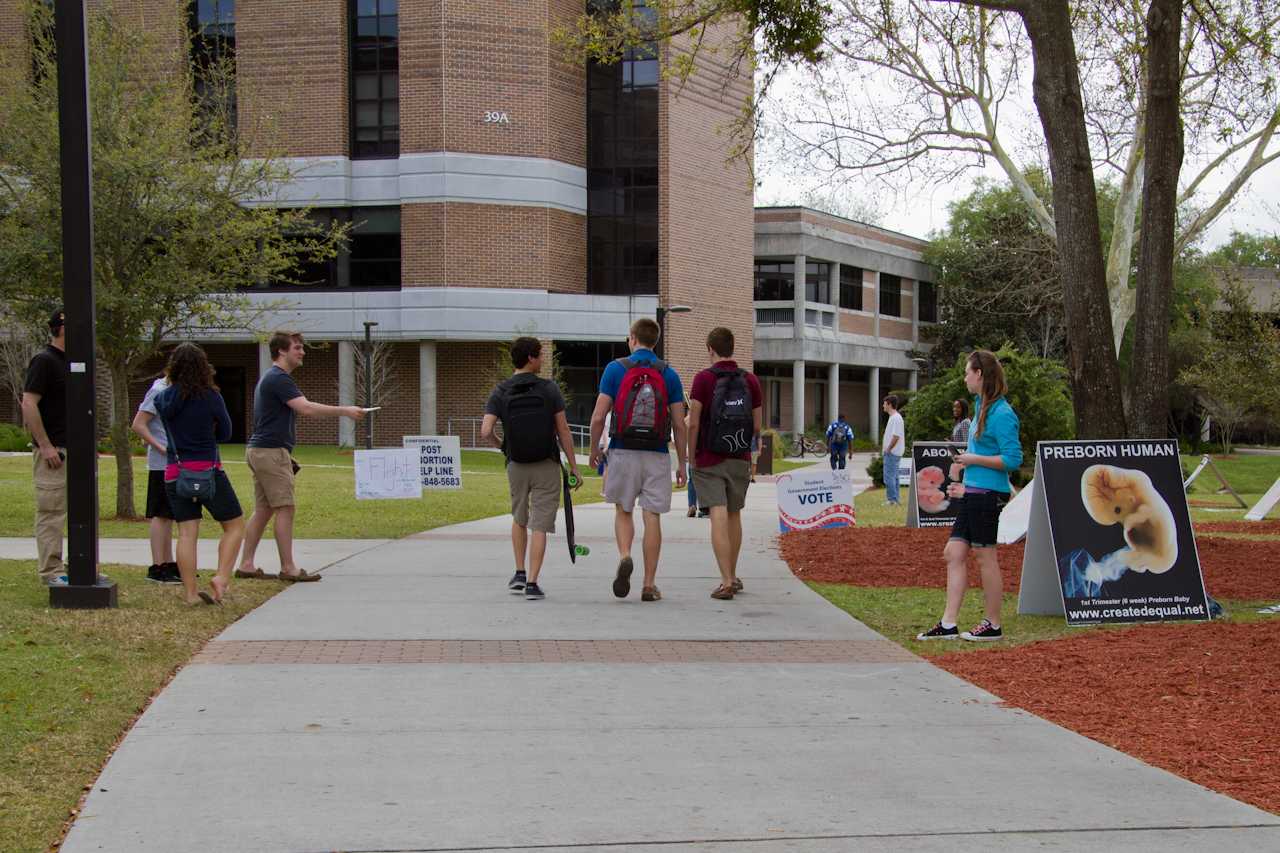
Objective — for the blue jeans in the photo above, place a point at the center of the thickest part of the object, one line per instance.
(693, 495)
(891, 461)
(837, 456)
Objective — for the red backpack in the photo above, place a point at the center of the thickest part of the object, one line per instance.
(642, 415)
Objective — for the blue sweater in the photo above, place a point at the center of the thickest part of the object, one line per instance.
(999, 438)
(195, 425)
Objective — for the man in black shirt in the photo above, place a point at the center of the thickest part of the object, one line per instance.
(44, 411)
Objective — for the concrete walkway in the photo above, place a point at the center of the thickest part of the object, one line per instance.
(410, 703)
(310, 554)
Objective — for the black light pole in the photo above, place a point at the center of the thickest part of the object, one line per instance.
(661, 315)
(368, 378)
(86, 589)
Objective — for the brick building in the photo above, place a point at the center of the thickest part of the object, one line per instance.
(495, 188)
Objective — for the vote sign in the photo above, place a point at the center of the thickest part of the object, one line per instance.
(808, 500)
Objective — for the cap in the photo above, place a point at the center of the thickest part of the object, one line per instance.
(57, 319)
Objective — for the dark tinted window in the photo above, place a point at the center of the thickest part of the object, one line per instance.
(775, 281)
(817, 282)
(927, 294)
(213, 53)
(375, 78)
(890, 295)
(851, 287)
(371, 258)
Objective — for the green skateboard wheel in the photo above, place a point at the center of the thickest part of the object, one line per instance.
(574, 481)
(581, 550)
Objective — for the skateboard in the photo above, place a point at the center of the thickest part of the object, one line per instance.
(570, 483)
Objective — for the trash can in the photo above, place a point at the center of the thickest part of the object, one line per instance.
(764, 464)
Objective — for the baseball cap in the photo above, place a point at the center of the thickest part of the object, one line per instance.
(57, 319)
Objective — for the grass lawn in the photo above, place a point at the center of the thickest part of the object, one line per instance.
(325, 491)
(71, 683)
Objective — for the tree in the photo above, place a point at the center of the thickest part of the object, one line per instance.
(1223, 90)
(1238, 374)
(1248, 250)
(19, 341)
(175, 240)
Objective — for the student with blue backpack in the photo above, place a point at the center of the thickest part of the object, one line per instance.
(534, 431)
(839, 437)
(647, 401)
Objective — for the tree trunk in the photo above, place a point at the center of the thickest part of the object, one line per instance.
(1149, 375)
(1092, 365)
(120, 423)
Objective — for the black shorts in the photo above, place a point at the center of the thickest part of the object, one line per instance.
(979, 518)
(157, 496)
(223, 506)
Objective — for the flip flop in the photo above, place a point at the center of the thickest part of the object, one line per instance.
(301, 577)
(256, 574)
(207, 598)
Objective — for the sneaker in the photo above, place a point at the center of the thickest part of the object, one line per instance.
(693, 510)
(533, 592)
(156, 573)
(516, 584)
(704, 513)
(622, 580)
(937, 632)
(983, 632)
(55, 580)
(171, 573)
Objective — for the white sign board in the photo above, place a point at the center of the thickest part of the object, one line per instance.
(1264, 506)
(811, 499)
(388, 474)
(1016, 516)
(440, 459)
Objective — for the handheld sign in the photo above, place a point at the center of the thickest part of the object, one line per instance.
(386, 474)
(931, 472)
(1110, 536)
(813, 499)
(440, 459)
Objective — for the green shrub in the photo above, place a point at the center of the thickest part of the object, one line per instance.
(875, 470)
(137, 447)
(14, 439)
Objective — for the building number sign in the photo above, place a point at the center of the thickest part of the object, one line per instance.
(496, 117)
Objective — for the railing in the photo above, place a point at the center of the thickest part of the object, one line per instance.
(775, 316)
(468, 432)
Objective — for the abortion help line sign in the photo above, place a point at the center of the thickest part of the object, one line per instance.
(440, 460)
(812, 499)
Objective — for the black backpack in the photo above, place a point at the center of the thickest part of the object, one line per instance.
(528, 422)
(732, 425)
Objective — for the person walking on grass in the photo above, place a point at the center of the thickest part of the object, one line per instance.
(647, 401)
(994, 449)
(534, 431)
(839, 437)
(195, 419)
(277, 401)
(44, 412)
(163, 569)
(895, 439)
(725, 414)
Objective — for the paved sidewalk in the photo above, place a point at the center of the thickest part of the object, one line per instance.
(310, 554)
(410, 703)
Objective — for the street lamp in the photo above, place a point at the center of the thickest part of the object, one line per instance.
(663, 311)
(368, 379)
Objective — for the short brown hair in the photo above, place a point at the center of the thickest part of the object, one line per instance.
(281, 341)
(524, 349)
(720, 340)
(646, 332)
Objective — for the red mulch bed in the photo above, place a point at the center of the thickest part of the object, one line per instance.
(1200, 701)
(899, 556)
(1269, 527)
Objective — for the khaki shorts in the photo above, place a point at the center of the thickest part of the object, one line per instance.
(723, 484)
(642, 476)
(535, 494)
(272, 469)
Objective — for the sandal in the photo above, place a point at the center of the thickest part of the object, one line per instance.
(650, 593)
(256, 574)
(301, 577)
(737, 585)
(207, 598)
(722, 593)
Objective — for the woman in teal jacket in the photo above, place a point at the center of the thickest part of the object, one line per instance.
(994, 449)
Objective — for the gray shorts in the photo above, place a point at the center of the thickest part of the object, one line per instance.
(723, 484)
(642, 476)
(535, 494)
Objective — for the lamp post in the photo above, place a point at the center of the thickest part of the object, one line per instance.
(368, 379)
(663, 311)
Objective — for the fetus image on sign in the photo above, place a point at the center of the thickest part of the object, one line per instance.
(1126, 497)
(929, 492)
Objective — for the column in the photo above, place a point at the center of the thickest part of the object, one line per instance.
(797, 280)
(875, 306)
(915, 320)
(264, 359)
(834, 287)
(913, 380)
(346, 391)
(833, 391)
(427, 389)
(797, 397)
(873, 391)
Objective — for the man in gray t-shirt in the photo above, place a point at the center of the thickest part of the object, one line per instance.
(147, 424)
(277, 400)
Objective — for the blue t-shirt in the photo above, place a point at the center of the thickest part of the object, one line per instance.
(612, 380)
(273, 419)
(999, 438)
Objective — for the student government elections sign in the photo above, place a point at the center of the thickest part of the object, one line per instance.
(811, 499)
(1110, 536)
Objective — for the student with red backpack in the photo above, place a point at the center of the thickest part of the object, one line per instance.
(647, 401)
(534, 430)
(724, 410)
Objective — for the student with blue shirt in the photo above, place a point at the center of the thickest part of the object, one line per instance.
(647, 403)
(993, 450)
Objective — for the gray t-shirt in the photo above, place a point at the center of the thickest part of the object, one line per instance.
(273, 419)
(156, 460)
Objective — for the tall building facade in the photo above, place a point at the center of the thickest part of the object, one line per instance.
(494, 189)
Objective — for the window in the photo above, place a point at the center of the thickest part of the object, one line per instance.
(927, 294)
(851, 287)
(375, 78)
(890, 295)
(213, 55)
(622, 170)
(371, 258)
(775, 282)
(817, 282)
